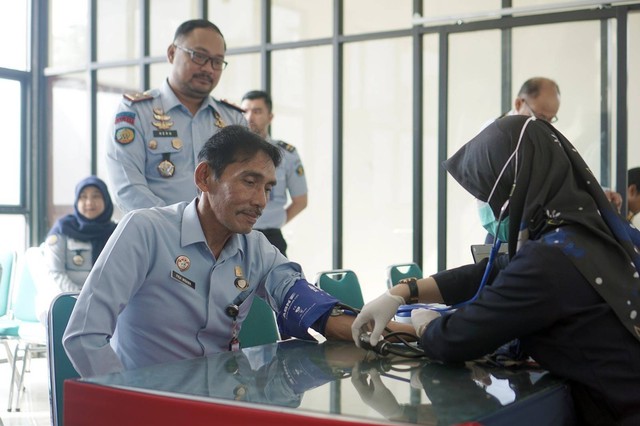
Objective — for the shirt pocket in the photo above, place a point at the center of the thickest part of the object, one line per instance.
(78, 255)
(162, 148)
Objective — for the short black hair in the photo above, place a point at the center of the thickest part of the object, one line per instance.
(186, 27)
(633, 177)
(235, 144)
(532, 86)
(259, 94)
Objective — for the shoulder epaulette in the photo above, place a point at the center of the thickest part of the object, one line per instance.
(286, 146)
(232, 105)
(138, 97)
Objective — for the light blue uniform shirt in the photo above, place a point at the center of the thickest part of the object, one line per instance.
(154, 315)
(289, 177)
(136, 147)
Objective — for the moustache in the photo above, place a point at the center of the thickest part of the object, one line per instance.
(253, 212)
(204, 77)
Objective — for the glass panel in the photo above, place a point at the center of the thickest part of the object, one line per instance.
(298, 76)
(474, 99)
(11, 170)
(158, 73)
(441, 8)
(112, 83)
(14, 26)
(241, 75)
(70, 159)
(364, 16)
(377, 153)
(165, 17)
(13, 229)
(118, 30)
(69, 33)
(430, 164)
(239, 21)
(579, 78)
(295, 20)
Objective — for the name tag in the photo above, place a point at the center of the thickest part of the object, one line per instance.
(78, 245)
(182, 279)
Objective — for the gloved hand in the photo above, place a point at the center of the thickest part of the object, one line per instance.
(380, 311)
(420, 318)
(374, 393)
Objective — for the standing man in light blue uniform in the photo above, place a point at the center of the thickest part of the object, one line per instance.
(177, 282)
(156, 135)
(258, 108)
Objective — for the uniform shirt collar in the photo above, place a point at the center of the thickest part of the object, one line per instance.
(170, 100)
(191, 232)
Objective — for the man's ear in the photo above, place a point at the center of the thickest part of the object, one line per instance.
(201, 176)
(517, 104)
(171, 52)
(632, 190)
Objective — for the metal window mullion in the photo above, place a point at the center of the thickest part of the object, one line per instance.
(621, 110)
(443, 104)
(417, 111)
(337, 163)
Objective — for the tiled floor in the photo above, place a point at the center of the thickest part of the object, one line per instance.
(34, 404)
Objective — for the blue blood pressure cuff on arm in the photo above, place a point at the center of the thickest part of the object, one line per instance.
(305, 305)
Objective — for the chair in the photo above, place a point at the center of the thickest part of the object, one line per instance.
(60, 367)
(259, 328)
(398, 271)
(31, 339)
(342, 284)
(8, 327)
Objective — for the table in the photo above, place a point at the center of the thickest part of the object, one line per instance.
(299, 382)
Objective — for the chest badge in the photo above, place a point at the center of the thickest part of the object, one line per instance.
(219, 123)
(163, 120)
(240, 282)
(77, 260)
(183, 263)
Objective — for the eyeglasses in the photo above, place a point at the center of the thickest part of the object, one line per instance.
(202, 59)
(540, 116)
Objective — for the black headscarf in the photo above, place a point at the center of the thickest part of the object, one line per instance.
(554, 188)
(76, 226)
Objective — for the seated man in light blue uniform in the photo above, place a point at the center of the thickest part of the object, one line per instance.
(177, 282)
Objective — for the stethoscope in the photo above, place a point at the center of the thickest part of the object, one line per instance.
(403, 309)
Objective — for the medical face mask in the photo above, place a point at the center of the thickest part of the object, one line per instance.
(490, 223)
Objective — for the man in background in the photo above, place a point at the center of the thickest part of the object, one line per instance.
(539, 97)
(633, 196)
(290, 177)
(156, 135)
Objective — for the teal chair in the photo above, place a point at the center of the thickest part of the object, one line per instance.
(259, 328)
(342, 284)
(31, 335)
(7, 264)
(400, 271)
(8, 326)
(60, 367)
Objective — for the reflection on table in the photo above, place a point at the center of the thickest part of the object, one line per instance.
(333, 382)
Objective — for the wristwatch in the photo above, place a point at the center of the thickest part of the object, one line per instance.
(413, 289)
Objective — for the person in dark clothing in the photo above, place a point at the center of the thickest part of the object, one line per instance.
(568, 288)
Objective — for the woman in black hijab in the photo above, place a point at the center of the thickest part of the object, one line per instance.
(569, 287)
(76, 240)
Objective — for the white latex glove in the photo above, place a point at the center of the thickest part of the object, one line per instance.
(420, 318)
(380, 311)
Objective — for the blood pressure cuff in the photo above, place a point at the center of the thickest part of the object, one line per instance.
(305, 305)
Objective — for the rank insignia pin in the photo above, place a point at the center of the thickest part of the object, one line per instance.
(219, 123)
(183, 263)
